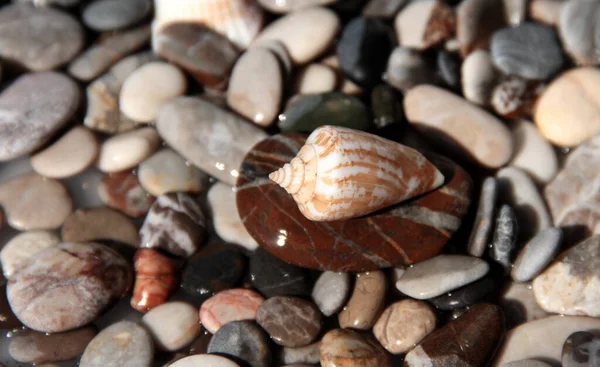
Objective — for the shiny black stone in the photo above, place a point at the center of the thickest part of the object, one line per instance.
(465, 296)
(274, 277)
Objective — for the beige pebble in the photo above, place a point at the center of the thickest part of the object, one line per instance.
(345, 85)
(346, 348)
(533, 153)
(423, 24)
(546, 11)
(94, 224)
(366, 301)
(23, 246)
(173, 325)
(478, 77)
(315, 78)
(128, 149)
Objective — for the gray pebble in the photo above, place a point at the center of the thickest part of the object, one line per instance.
(505, 237)
(581, 349)
(484, 219)
(242, 340)
(331, 291)
(537, 254)
(580, 35)
(110, 15)
(407, 68)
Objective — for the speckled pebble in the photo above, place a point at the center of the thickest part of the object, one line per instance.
(173, 325)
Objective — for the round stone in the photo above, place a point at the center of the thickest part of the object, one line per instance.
(533, 153)
(128, 149)
(478, 77)
(346, 348)
(423, 24)
(536, 254)
(173, 325)
(97, 224)
(23, 246)
(366, 302)
(330, 291)
(110, 15)
(229, 305)
(315, 78)
(204, 360)
(242, 340)
(122, 191)
(407, 68)
(274, 277)
(581, 349)
(577, 26)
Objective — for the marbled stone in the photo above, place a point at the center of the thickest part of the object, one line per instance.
(96, 224)
(504, 239)
(67, 286)
(36, 348)
(346, 348)
(533, 153)
(465, 296)
(366, 302)
(204, 360)
(537, 254)
(175, 223)
(155, 279)
(23, 246)
(483, 226)
(423, 24)
(403, 325)
(212, 270)
(546, 11)
(394, 236)
(577, 26)
(211, 138)
(109, 50)
(308, 354)
(173, 325)
(274, 277)
(315, 78)
(407, 68)
(38, 38)
(581, 349)
(459, 125)
(478, 77)
(329, 292)
(529, 50)
(386, 107)
(242, 340)
(441, 274)
(110, 15)
(515, 97)
(127, 150)
(29, 116)
(34, 202)
(386, 9)
(230, 305)
(476, 21)
(519, 304)
(122, 344)
(122, 191)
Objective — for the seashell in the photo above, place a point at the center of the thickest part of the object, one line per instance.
(342, 173)
(239, 20)
(155, 279)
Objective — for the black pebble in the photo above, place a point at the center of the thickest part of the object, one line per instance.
(274, 277)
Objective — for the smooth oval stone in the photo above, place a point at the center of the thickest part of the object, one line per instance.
(577, 26)
(483, 226)
(423, 24)
(403, 325)
(204, 360)
(225, 217)
(314, 79)
(127, 150)
(478, 77)
(308, 354)
(229, 305)
(329, 292)
(305, 33)
(523, 342)
(39, 38)
(156, 277)
(465, 296)
(476, 21)
(469, 340)
(290, 321)
(256, 70)
(394, 236)
(211, 138)
(173, 325)
(407, 68)
(313, 111)
(213, 270)
(242, 340)
(441, 274)
(504, 239)
(459, 125)
(579, 117)
(122, 191)
(546, 11)
(175, 223)
(366, 302)
(581, 349)
(33, 202)
(147, 88)
(533, 153)
(37, 348)
(530, 50)
(95, 224)
(110, 15)
(23, 246)
(51, 291)
(29, 116)
(291, 6)
(124, 343)
(519, 304)
(537, 254)
(274, 277)
(346, 348)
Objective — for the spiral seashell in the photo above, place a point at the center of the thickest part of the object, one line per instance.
(342, 173)
(239, 20)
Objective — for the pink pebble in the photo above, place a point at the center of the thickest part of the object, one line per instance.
(229, 305)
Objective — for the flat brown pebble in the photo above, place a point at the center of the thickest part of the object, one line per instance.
(123, 191)
(346, 348)
(97, 224)
(290, 321)
(366, 301)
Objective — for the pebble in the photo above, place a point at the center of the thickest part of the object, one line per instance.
(23, 246)
(291, 6)
(423, 24)
(523, 342)
(108, 50)
(363, 50)
(121, 344)
(212, 270)
(469, 340)
(403, 325)
(128, 149)
(519, 304)
(478, 77)
(110, 15)
(282, 54)
(504, 239)
(155, 279)
(256, 70)
(165, 171)
(51, 291)
(305, 33)
(34, 202)
(122, 191)
(407, 68)
(515, 11)
(274, 277)
(366, 302)
(526, 363)
(95, 224)
(175, 223)
(329, 292)
(39, 38)
(577, 26)
(205, 54)
(36, 348)
(537, 254)
(441, 274)
(386, 107)
(529, 50)
(346, 348)
(315, 110)
(546, 11)
(225, 217)
(242, 340)
(483, 226)
(213, 139)
(204, 360)
(29, 116)
(309, 354)
(515, 97)
(8, 320)
(386, 9)
(476, 21)
(581, 349)
(173, 325)
(448, 68)
(230, 305)
(315, 78)
(290, 321)
(533, 153)
(465, 296)
(481, 135)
